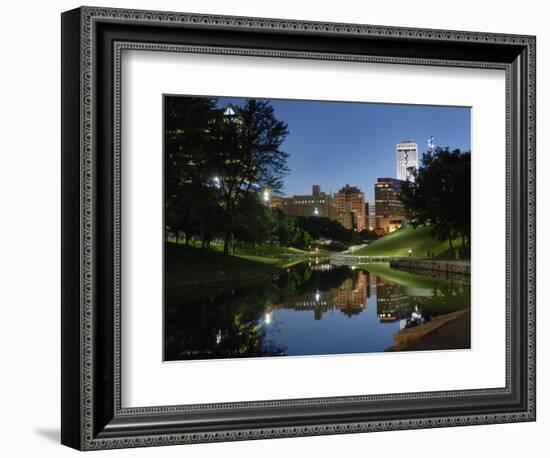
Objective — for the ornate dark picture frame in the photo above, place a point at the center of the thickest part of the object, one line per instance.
(92, 42)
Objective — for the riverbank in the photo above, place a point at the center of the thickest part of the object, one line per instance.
(193, 268)
(445, 332)
(433, 267)
(264, 250)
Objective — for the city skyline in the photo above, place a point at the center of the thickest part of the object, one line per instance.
(358, 140)
(251, 272)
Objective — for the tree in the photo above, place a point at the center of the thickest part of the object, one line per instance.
(189, 200)
(249, 155)
(322, 227)
(286, 227)
(366, 234)
(215, 162)
(440, 195)
(252, 223)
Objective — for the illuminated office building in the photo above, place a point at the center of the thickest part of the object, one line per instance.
(317, 203)
(389, 211)
(407, 160)
(350, 208)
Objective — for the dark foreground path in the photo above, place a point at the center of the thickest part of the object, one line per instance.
(451, 336)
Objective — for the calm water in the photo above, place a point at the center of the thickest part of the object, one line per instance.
(314, 308)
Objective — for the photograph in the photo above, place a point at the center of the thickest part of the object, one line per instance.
(270, 226)
(304, 227)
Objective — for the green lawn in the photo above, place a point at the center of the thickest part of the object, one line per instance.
(189, 267)
(399, 243)
(265, 249)
(260, 249)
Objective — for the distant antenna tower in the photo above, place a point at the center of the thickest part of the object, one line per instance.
(431, 144)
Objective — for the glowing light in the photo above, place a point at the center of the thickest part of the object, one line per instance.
(316, 211)
(266, 195)
(317, 296)
(229, 111)
(218, 337)
(267, 319)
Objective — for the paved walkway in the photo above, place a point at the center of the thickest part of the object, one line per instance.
(451, 336)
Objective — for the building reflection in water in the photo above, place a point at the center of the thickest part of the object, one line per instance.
(350, 297)
(412, 306)
(243, 322)
(321, 265)
(392, 303)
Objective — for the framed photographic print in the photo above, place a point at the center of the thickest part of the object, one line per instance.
(278, 228)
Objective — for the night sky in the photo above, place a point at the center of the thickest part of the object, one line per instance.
(338, 143)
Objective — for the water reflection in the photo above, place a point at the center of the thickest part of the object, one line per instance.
(309, 310)
(416, 305)
(349, 296)
(392, 303)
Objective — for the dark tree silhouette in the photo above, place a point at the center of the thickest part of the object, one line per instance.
(440, 195)
(189, 202)
(249, 155)
(215, 161)
(252, 222)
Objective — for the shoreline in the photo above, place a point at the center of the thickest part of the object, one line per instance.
(445, 332)
(458, 270)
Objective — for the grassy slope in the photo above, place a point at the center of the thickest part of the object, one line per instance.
(399, 242)
(260, 249)
(265, 253)
(188, 267)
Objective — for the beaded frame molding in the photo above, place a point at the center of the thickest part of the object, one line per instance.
(92, 42)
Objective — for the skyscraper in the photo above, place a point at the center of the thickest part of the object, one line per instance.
(350, 208)
(407, 159)
(390, 212)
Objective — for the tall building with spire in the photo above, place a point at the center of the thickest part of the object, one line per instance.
(407, 159)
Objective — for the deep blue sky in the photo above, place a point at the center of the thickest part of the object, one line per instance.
(334, 143)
